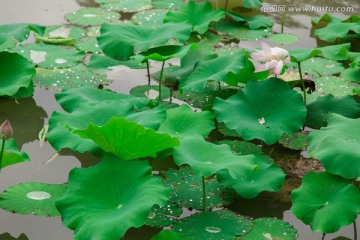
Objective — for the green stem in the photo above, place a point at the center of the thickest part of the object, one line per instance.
(160, 81)
(355, 230)
(2, 151)
(219, 85)
(323, 236)
(282, 24)
(302, 82)
(171, 95)
(226, 4)
(148, 71)
(204, 194)
(271, 151)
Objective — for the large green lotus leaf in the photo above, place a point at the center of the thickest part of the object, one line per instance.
(70, 99)
(186, 189)
(7, 44)
(320, 110)
(217, 69)
(61, 124)
(102, 62)
(336, 146)
(297, 141)
(321, 66)
(326, 202)
(241, 31)
(351, 74)
(15, 73)
(92, 16)
(207, 158)
(183, 121)
(11, 154)
(164, 216)
(119, 41)
(166, 52)
(337, 30)
(32, 198)
(284, 38)
(75, 77)
(18, 32)
(246, 74)
(331, 18)
(336, 86)
(167, 235)
(51, 56)
(169, 4)
(252, 3)
(335, 52)
(152, 18)
(125, 138)
(120, 195)
(150, 92)
(270, 228)
(263, 110)
(249, 183)
(88, 44)
(254, 22)
(242, 147)
(127, 6)
(199, 15)
(218, 225)
(66, 35)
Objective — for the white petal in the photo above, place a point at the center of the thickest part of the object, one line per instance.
(278, 68)
(266, 48)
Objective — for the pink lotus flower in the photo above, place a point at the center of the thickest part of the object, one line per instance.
(272, 59)
(6, 131)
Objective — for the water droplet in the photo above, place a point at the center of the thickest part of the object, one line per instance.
(151, 215)
(60, 60)
(38, 195)
(213, 229)
(119, 206)
(89, 15)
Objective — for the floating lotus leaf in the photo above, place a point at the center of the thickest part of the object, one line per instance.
(336, 146)
(7, 236)
(270, 228)
(125, 139)
(183, 121)
(32, 198)
(169, 4)
(166, 52)
(242, 147)
(263, 110)
(330, 18)
(186, 188)
(101, 62)
(78, 76)
(152, 18)
(61, 124)
(336, 86)
(218, 225)
(321, 66)
(320, 110)
(164, 216)
(284, 38)
(351, 74)
(17, 32)
(150, 92)
(15, 73)
(241, 31)
(119, 193)
(51, 56)
(335, 52)
(199, 15)
(166, 235)
(11, 154)
(217, 69)
(337, 30)
(7, 44)
(326, 202)
(66, 35)
(126, 5)
(138, 38)
(88, 44)
(254, 22)
(71, 99)
(297, 141)
(92, 16)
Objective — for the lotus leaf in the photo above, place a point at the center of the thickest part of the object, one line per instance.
(270, 228)
(183, 121)
(119, 193)
(246, 74)
(126, 5)
(199, 15)
(336, 146)
(12, 155)
(138, 38)
(61, 35)
(252, 3)
(218, 225)
(254, 22)
(241, 31)
(351, 74)
(186, 186)
(101, 62)
(217, 69)
(297, 141)
(326, 202)
(321, 66)
(254, 113)
(166, 235)
(18, 32)
(51, 56)
(150, 92)
(88, 44)
(170, 4)
(164, 216)
(7, 44)
(7, 236)
(164, 53)
(337, 30)
(32, 198)
(284, 38)
(330, 18)
(242, 147)
(15, 73)
(78, 76)
(320, 110)
(335, 52)
(92, 16)
(152, 18)
(336, 86)
(123, 138)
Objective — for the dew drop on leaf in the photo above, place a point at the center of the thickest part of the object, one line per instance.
(38, 195)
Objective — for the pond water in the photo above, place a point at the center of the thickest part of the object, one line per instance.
(28, 116)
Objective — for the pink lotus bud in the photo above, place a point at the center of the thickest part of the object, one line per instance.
(6, 130)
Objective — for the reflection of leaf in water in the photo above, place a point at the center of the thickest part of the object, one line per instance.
(7, 236)
(26, 118)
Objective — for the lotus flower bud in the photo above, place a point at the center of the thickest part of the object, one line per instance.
(6, 130)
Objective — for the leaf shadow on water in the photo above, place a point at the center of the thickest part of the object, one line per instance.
(7, 236)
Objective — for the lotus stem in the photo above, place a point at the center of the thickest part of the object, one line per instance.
(226, 4)
(148, 71)
(2, 151)
(204, 194)
(323, 236)
(219, 85)
(282, 23)
(171, 95)
(302, 82)
(355, 230)
(160, 81)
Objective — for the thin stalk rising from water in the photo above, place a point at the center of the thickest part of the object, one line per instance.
(160, 81)
(355, 230)
(204, 194)
(226, 4)
(323, 236)
(148, 71)
(2, 151)
(302, 82)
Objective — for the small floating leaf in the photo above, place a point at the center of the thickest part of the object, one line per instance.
(150, 92)
(164, 216)
(152, 18)
(321, 66)
(284, 38)
(126, 5)
(92, 16)
(336, 86)
(297, 141)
